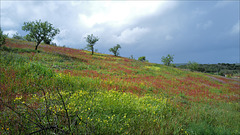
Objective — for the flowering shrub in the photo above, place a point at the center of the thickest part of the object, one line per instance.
(110, 111)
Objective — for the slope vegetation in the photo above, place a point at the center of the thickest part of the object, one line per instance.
(68, 91)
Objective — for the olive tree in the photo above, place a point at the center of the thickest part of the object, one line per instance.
(40, 31)
(115, 50)
(91, 42)
(167, 60)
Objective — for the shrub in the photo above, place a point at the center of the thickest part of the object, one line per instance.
(143, 58)
(193, 66)
(2, 37)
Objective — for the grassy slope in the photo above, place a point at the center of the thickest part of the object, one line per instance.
(114, 95)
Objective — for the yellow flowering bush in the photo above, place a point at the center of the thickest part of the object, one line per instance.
(111, 111)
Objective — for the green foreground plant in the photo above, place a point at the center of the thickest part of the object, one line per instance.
(2, 37)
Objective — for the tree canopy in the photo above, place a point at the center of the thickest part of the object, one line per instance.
(167, 60)
(142, 58)
(91, 42)
(40, 31)
(115, 50)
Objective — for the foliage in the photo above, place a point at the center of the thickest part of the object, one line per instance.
(115, 50)
(28, 38)
(142, 58)
(219, 69)
(167, 60)
(40, 31)
(2, 37)
(47, 41)
(193, 66)
(91, 40)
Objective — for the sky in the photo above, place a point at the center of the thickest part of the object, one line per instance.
(206, 32)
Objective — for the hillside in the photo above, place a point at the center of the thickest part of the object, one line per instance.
(63, 90)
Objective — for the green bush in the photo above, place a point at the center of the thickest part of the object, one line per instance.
(143, 58)
(193, 66)
(2, 38)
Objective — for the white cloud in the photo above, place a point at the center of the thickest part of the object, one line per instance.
(10, 32)
(117, 13)
(235, 28)
(81, 18)
(129, 36)
(7, 22)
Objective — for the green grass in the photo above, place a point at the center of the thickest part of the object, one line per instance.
(60, 90)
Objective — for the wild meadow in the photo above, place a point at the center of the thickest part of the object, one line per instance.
(59, 90)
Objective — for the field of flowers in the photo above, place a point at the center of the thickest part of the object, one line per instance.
(59, 90)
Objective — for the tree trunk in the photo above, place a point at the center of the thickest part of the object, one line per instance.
(92, 50)
(37, 45)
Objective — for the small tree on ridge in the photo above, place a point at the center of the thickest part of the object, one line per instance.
(115, 50)
(91, 42)
(40, 31)
(143, 58)
(167, 60)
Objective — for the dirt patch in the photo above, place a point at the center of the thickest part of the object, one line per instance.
(224, 78)
(216, 79)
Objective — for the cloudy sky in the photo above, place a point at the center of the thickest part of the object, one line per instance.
(200, 31)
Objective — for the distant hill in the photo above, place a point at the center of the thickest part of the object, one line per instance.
(180, 64)
(223, 69)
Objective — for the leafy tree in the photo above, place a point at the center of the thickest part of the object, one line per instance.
(115, 50)
(40, 31)
(193, 66)
(91, 42)
(143, 58)
(167, 60)
(47, 41)
(2, 37)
